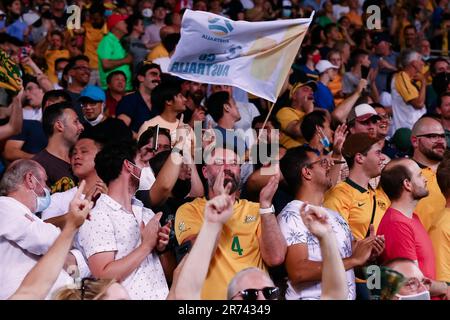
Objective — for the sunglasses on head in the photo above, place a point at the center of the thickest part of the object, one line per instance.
(269, 293)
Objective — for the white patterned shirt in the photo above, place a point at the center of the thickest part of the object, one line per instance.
(111, 228)
(295, 232)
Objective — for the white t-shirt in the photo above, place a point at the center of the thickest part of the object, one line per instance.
(111, 228)
(404, 115)
(339, 11)
(32, 114)
(24, 238)
(295, 232)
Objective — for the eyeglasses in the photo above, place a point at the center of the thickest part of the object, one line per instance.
(83, 286)
(432, 136)
(221, 162)
(269, 293)
(372, 120)
(385, 117)
(82, 68)
(324, 163)
(91, 104)
(413, 284)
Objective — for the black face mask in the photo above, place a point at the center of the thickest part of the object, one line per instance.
(181, 188)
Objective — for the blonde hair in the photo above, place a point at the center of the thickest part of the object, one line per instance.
(91, 289)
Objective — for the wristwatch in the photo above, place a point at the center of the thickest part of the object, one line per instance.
(270, 210)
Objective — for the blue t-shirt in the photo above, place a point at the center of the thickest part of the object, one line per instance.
(231, 139)
(323, 97)
(17, 29)
(134, 106)
(313, 74)
(33, 136)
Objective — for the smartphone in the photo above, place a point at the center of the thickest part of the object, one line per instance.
(155, 138)
(364, 72)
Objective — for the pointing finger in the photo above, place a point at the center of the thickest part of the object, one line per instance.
(80, 190)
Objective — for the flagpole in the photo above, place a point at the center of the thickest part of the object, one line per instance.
(265, 121)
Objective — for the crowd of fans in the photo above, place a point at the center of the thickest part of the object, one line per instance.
(102, 195)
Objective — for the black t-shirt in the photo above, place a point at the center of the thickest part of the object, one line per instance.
(59, 172)
(134, 106)
(33, 136)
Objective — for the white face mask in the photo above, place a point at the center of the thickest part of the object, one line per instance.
(419, 296)
(147, 179)
(96, 121)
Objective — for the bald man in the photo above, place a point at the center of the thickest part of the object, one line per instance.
(429, 143)
(405, 236)
(403, 182)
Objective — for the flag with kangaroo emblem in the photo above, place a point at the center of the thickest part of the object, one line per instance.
(254, 56)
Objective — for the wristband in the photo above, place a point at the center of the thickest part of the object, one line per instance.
(263, 211)
(177, 150)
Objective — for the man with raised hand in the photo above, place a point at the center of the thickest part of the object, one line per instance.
(249, 238)
(44, 274)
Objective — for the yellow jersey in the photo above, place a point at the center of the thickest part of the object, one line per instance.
(158, 52)
(285, 116)
(440, 236)
(428, 207)
(50, 57)
(356, 205)
(91, 42)
(237, 248)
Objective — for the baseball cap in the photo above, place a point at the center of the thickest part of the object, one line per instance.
(92, 93)
(114, 19)
(324, 65)
(309, 83)
(362, 112)
(402, 139)
(379, 37)
(357, 143)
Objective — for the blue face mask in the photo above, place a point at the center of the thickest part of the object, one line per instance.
(325, 142)
(323, 138)
(42, 202)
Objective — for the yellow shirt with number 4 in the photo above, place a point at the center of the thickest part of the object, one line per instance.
(237, 248)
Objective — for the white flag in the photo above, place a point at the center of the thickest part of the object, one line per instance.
(254, 56)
